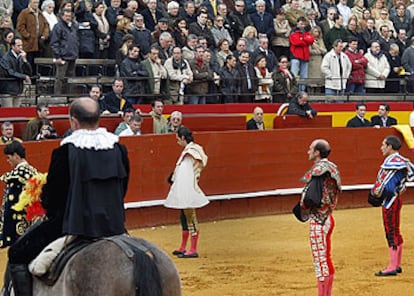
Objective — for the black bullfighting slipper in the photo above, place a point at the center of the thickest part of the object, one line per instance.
(386, 273)
(398, 269)
(178, 253)
(193, 255)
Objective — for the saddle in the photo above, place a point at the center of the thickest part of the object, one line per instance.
(129, 245)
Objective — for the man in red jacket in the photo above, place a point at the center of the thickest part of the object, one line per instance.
(359, 63)
(300, 40)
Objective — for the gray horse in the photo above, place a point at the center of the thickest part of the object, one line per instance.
(102, 268)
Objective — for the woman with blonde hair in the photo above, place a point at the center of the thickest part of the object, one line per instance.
(385, 21)
(250, 34)
(317, 51)
(358, 9)
(122, 28)
(376, 10)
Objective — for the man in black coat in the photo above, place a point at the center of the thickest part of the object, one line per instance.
(84, 194)
(201, 29)
(359, 120)
(256, 123)
(382, 119)
(246, 77)
(114, 101)
(14, 65)
(299, 105)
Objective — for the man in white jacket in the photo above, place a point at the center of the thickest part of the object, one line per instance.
(336, 67)
(377, 69)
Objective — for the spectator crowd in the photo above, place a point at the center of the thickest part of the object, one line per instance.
(211, 51)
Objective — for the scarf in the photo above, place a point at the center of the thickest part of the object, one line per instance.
(179, 65)
(262, 71)
(103, 27)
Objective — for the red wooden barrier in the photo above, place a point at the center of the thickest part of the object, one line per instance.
(295, 121)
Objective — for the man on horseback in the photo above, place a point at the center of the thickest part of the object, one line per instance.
(84, 193)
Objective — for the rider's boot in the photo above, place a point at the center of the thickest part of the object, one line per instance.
(22, 279)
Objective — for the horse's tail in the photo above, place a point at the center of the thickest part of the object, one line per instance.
(147, 276)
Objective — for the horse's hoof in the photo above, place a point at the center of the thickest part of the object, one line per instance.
(193, 255)
(178, 252)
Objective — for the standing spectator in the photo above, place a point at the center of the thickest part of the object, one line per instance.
(102, 30)
(135, 76)
(377, 70)
(16, 67)
(246, 75)
(407, 61)
(7, 133)
(157, 75)
(382, 119)
(358, 9)
(175, 121)
(354, 32)
(13, 223)
(213, 96)
(300, 40)
(6, 8)
(133, 127)
(299, 105)
(370, 34)
(328, 23)
(317, 51)
(376, 9)
(401, 41)
(202, 74)
(114, 101)
(385, 38)
(65, 47)
(264, 80)
(185, 193)
(122, 29)
(294, 12)
(122, 52)
(159, 121)
(337, 32)
(189, 49)
(285, 83)
(34, 29)
(165, 46)
(224, 51)
(324, 8)
(402, 20)
(48, 7)
(250, 37)
(220, 32)
(161, 27)
(392, 84)
(362, 24)
(384, 20)
(319, 199)
(189, 12)
(180, 75)
(262, 20)
(239, 19)
(311, 15)
(33, 126)
(87, 26)
(180, 32)
(356, 83)
(113, 15)
(173, 13)
(263, 49)
(359, 119)
(229, 84)
(395, 171)
(200, 28)
(344, 10)
(7, 36)
(280, 41)
(151, 15)
(256, 122)
(142, 36)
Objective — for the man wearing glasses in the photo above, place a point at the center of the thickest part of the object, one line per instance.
(239, 19)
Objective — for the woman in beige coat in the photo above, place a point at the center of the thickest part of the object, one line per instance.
(317, 51)
(280, 40)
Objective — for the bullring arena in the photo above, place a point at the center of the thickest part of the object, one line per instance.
(250, 244)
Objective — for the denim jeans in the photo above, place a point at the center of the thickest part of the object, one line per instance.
(334, 92)
(299, 67)
(196, 99)
(355, 88)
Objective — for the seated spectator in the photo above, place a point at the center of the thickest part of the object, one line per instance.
(299, 105)
(336, 68)
(382, 119)
(256, 123)
(264, 81)
(377, 69)
(174, 122)
(134, 126)
(129, 112)
(359, 119)
(114, 101)
(95, 93)
(285, 83)
(159, 121)
(46, 131)
(33, 126)
(135, 76)
(7, 133)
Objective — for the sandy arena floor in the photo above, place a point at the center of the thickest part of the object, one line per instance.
(270, 256)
